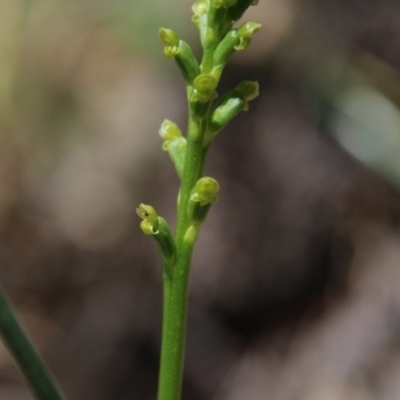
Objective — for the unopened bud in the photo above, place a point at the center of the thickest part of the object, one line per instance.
(248, 89)
(204, 88)
(205, 191)
(169, 130)
(168, 36)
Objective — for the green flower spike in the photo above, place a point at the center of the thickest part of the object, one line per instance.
(207, 114)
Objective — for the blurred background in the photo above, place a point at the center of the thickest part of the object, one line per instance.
(295, 290)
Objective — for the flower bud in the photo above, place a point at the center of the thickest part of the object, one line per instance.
(245, 32)
(168, 37)
(149, 216)
(205, 82)
(203, 196)
(174, 144)
(199, 7)
(205, 191)
(171, 52)
(158, 227)
(249, 29)
(169, 130)
(204, 88)
(181, 52)
(248, 89)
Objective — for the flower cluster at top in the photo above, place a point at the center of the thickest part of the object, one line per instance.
(209, 113)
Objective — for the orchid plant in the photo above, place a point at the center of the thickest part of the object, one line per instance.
(208, 114)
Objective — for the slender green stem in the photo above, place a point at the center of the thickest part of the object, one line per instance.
(176, 282)
(215, 19)
(191, 173)
(25, 355)
(174, 328)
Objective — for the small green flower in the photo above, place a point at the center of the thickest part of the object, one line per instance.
(205, 191)
(205, 82)
(171, 41)
(200, 7)
(204, 88)
(169, 130)
(245, 32)
(248, 89)
(174, 143)
(181, 52)
(203, 196)
(168, 37)
(158, 227)
(171, 52)
(150, 222)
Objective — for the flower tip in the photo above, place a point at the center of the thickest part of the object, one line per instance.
(205, 82)
(148, 214)
(248, 29)
(168, 36)
(169, 130)
(249, 90)
(204, 85)
(205, 191)
(199, 7)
